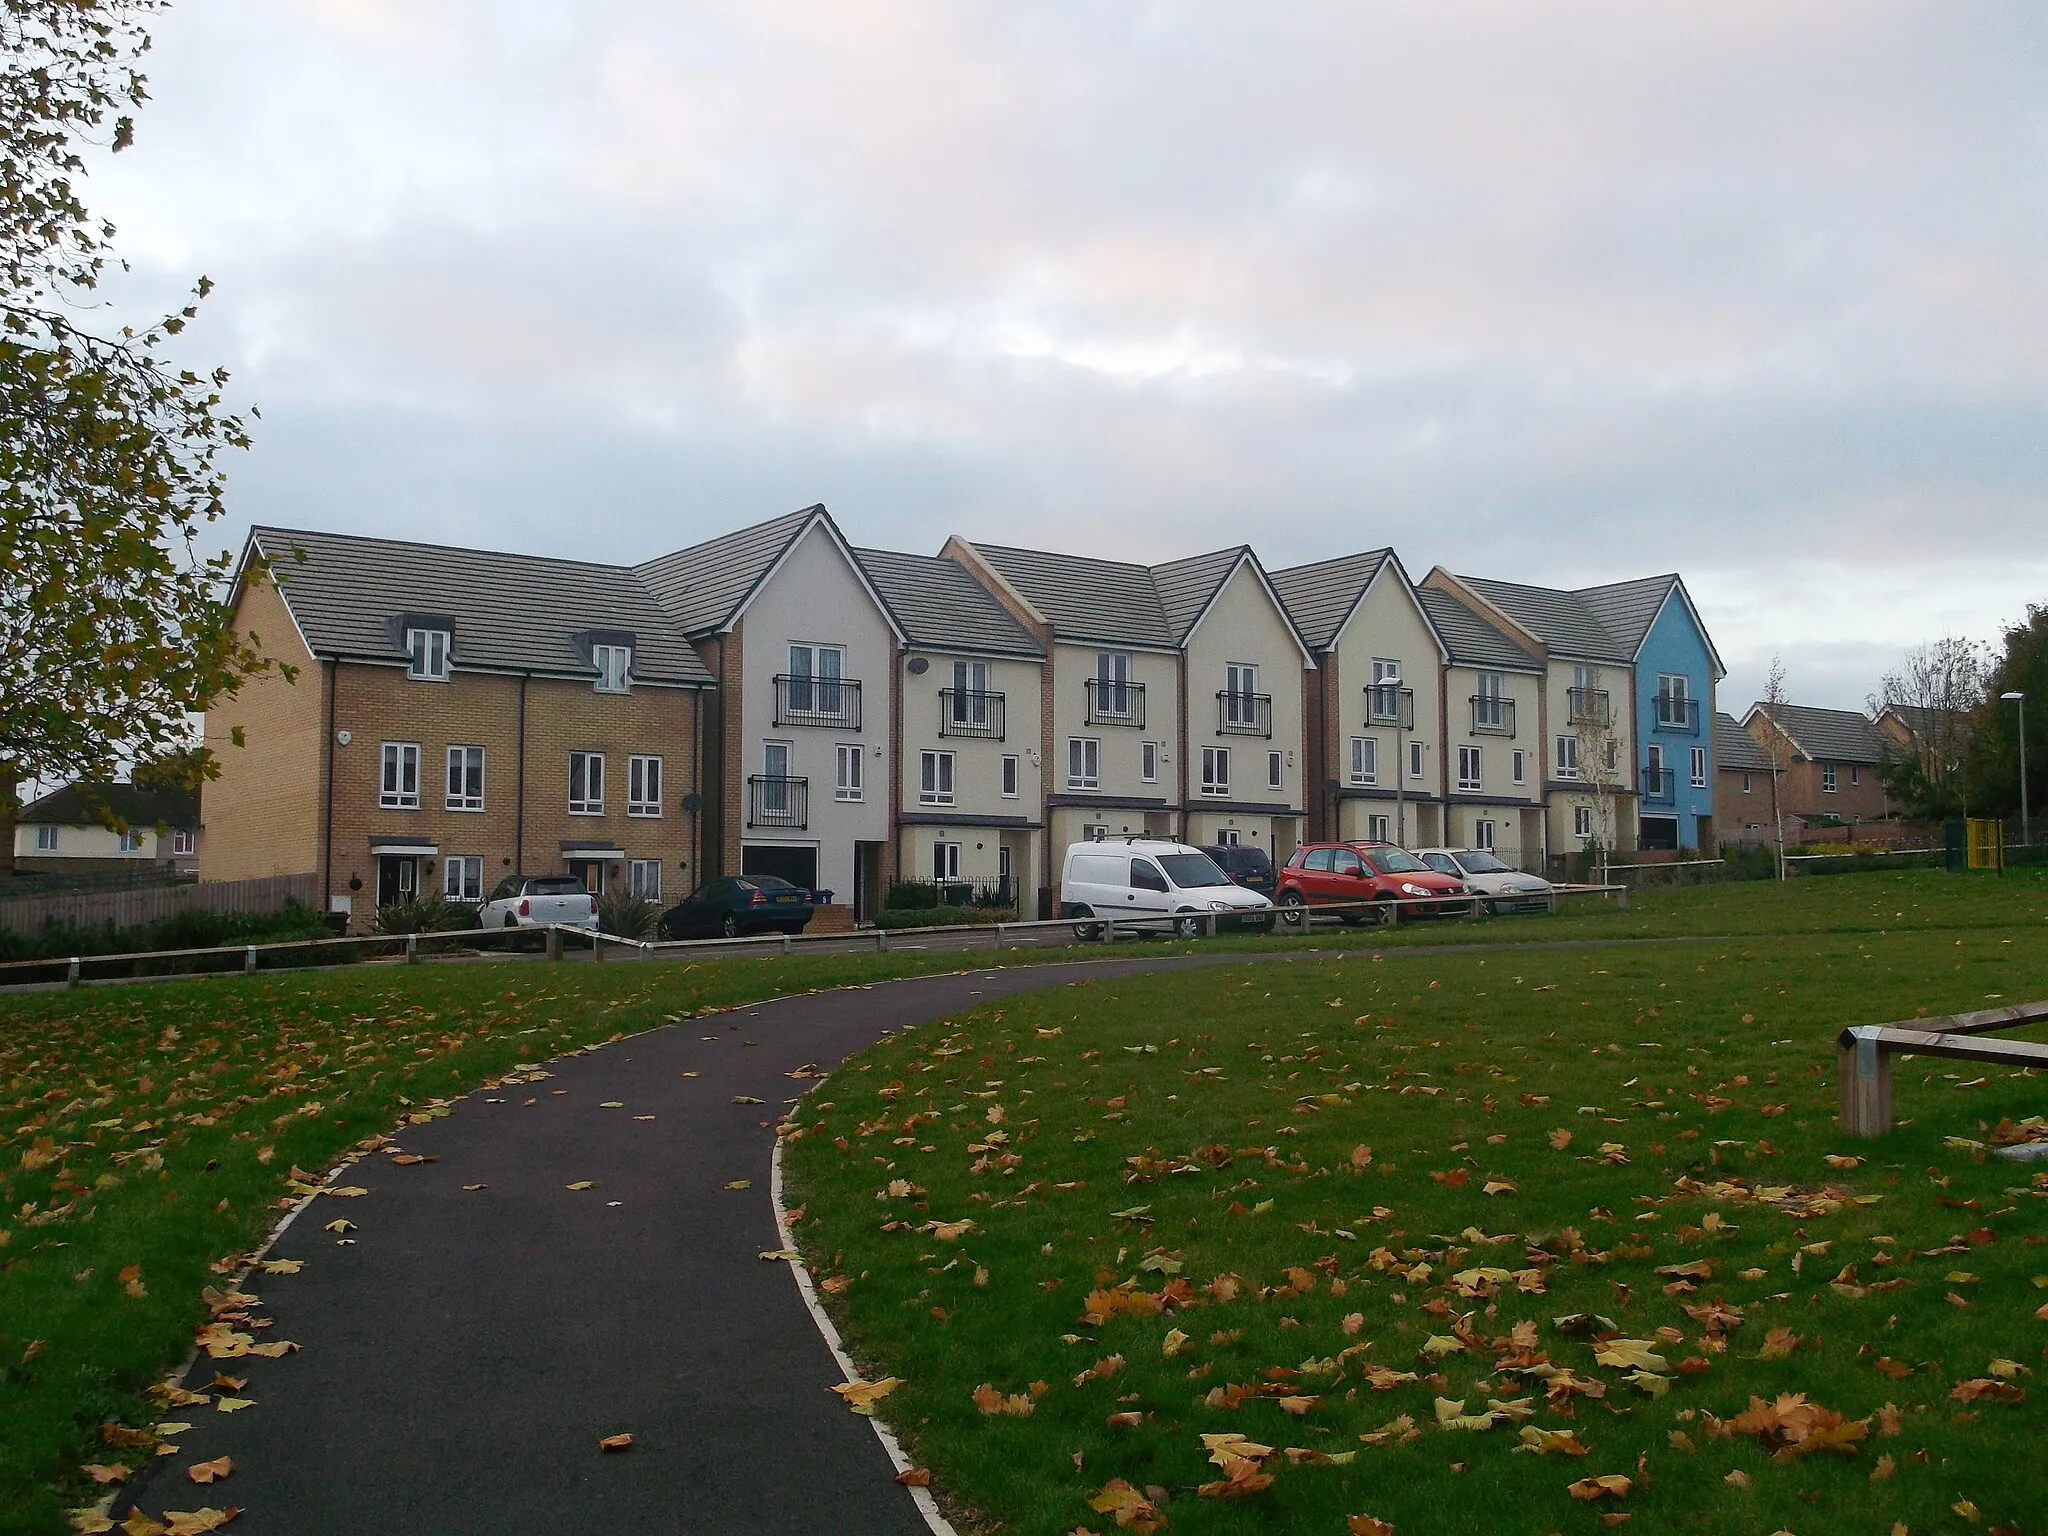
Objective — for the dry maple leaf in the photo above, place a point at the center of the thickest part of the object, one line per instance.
(1131, 1509)
(1610, 1486)
(615, 1443)
(197, 1522)
(861, 1396)
(1299, 1406)
(1559, 1140)
(104, 1472)
(1240, 1477)
(915, 1477)
(1367, 1525)
(210, 1471)
(139, 1524)
(1551, 1442)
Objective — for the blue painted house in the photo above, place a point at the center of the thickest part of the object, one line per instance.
(1676, 670)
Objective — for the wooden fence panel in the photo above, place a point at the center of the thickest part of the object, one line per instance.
(140, 906)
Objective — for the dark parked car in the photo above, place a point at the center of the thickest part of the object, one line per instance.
(735, 905)
(1249, 867)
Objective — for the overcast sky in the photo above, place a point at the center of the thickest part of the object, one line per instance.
(1561, 293)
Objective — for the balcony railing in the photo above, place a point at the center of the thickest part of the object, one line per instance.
(963, 713)
(1678, 715)
(1390, 706)
(1111, 702)
(1588, 706)
(831, 701)
(1244, 714)
(776, 801)
(1492, 715)
(1660, 786)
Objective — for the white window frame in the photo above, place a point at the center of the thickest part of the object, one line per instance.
(971, 689)
(848, 773)
(1582, 821)
(643, 785)
(1012, 777)
(614, 665)
(776, 793)
(1379, 829)
(643, 879)
(1094, 831)
(1855, 774)
(1115, 672)
(399, 787)
(46, 839)
(1084, 762)
(1276, 770)
(1484, 833)
(1240, 693)
(1417, 764)
(945, 862)
(183, 840)
(1567, 761)
(1148, 761)
(1699, 767)
(1384, 669)
(1216, 771)
(817, 680)
(1747, 786)
(426, 654)
(1829, 783)
(1521, 766)
(935, 777)
(1471, 768)
(1227, 837)
(1365, 760)
(590, 767)
(462, 877)
(459, 779)
(131, 840)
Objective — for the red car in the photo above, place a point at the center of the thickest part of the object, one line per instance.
(1320, 874)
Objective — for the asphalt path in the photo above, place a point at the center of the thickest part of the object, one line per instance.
(462, 1355)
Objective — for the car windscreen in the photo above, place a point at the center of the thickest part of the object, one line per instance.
(1396, 861)
(555, 885)
(1188, 870)
(773, 883)
(1479, 863)
(1247, 861)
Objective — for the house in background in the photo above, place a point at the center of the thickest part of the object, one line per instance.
(1830, 786)
(457, 716)
(1745, 796)
(1493, 735)
(1174, 694)
(1375, 700)
(803, 649)
(67, 832)
(969, 765)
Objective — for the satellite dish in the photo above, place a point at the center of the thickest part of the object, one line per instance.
(917, 666)
(692, 804)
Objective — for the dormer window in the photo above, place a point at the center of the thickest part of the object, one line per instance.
(427, 653)
(614, 667)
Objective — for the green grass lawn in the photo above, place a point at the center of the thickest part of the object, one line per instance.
(1424, 1225)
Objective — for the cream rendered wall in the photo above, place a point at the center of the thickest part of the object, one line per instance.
(1243, 626)
(1389, 623)
(1561, 799)
(1461, 684)
(94, 842)
(977, 773)
(814, 597)
(1072, 666)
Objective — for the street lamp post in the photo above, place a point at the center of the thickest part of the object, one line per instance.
(2019, 698)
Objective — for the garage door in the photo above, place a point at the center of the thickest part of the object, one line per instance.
(799, 866)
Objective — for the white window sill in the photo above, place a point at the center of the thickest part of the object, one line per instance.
(599, 811)
(398, 805)
(643, 813)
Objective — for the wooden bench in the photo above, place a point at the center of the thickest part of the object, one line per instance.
(1864, 1056)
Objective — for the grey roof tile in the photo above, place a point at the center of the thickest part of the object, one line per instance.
(942, 607)
(1563, 621)
(1627, 609)
(138, 806)
(1828, 735)
(702, 587)
(1320, 597)
(1736, 748)
(1104, 601)
(1185, 587)
(510, 611)
(1472, 639)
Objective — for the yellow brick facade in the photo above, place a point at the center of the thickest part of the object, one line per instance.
(262, 815)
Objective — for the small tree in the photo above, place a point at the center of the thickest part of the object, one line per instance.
(1774, 745)
(1601, 767)
(1992, 759)
(1936, 693)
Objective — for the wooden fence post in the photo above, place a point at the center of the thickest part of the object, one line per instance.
(554, 941)
(249, 960)
(412, 949)
(1866, 1083)
(71, 973)
(1621, 898)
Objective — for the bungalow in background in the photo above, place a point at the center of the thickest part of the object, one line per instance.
(67, 832)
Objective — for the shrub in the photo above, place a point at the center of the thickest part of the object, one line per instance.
(625, 917)
(194, 928)
(912, 895)
(943, 917)
(426, 914)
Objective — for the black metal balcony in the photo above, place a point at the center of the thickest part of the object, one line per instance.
(1492, 715)
(966, 713)
(1588, 706)
(1660, 786)
(1111, 702)
(831, 701)
(1244, 714)
(777, 801)
(1386, 705)
(1678, 716)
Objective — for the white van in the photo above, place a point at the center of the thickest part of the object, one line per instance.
(1146, 880)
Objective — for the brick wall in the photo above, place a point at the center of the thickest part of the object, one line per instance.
(262, 815)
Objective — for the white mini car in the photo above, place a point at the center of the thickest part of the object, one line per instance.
(1147, 880)
(535, 901)
(1500, 887)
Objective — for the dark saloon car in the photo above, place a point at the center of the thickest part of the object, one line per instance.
(1247, 866)
(735, 905)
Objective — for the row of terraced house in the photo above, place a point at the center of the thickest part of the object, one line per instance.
(781, 701)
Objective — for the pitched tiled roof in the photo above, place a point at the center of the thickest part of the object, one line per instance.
(1320, 597)
(514, 612)
(1185, 587)
(1931, 725)
(1827, 735)
(1627, 609)
(1471, 638)
(87, 805)
(1083, 598)
(1736, 748)
(942, 607)
(702, 587)
(1564, 621)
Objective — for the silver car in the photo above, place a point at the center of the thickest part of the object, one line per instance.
(1500, 887)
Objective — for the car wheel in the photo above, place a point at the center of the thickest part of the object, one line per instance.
(729, 926)
(1293, 910)
(1087, 933)
(511, 921)
(1188, 926)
